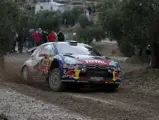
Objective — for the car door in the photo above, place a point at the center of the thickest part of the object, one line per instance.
(35, 61)
(44, 61)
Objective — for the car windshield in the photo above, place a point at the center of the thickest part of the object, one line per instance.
(80, 49)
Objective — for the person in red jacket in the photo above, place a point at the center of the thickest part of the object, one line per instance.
(52, 37)
(37, 38)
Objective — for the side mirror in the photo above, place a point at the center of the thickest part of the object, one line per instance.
(43, 55)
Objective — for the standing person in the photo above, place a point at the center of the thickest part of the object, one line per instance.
(90, 10)
(148, 52)
(44, 37)
(34, 34)
(21, 40)
(37, 38)
(65, 22)
(84, 10)
(52, 37)
(30, 38)
(14, 43)
(88, 15)
(60, 36)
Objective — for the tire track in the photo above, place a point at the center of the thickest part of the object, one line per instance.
(21, 107)
(85, 105)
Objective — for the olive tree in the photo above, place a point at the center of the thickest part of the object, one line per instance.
(132, 22)
(12, 20)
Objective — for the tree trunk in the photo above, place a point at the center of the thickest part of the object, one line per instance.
(2, 64)
(141, 51)
(155, 56)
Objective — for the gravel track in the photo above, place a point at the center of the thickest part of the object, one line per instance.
(19, 101)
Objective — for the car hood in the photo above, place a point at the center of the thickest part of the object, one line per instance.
(94, 60)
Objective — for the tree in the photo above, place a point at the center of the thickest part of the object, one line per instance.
(72, 16)
(12, 20)
(83, 21)
(135, 20)
(48, 20)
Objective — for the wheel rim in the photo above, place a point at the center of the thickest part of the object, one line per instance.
(25, 74)
(55, 80)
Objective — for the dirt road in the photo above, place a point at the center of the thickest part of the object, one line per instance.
(136, 99)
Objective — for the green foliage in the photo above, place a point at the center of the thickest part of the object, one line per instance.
(88, 33)
(83, 21)
(126, 47)
(48, 20)
(12, 20)
(72, 16)
(69, 16)
(136, 21)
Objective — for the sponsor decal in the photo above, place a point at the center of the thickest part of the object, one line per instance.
(115, 76)
(71, 67)
(45, 64)
(101, 62)
(77, 72)
(65, 66)
(72, 74)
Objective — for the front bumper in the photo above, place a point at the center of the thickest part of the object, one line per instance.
(100, 75)
(88, 81)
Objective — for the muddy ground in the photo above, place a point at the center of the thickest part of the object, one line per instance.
(136, 99)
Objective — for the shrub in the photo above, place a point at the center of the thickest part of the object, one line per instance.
(83, 21)
(48, 20)
(72, 16)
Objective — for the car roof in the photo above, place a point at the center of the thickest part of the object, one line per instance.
(67, 41)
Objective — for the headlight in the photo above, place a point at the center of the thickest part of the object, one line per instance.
(113, 63)
(115, 66)
(71, 61)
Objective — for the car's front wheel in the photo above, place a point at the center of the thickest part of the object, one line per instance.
(55, 82)
(25, 74)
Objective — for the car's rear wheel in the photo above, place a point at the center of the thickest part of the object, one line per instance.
(25, 74)
(55, 82)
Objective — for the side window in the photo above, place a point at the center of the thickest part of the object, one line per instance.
(35, 52)
(48, 49)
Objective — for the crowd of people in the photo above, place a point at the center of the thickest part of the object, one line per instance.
(35, 37)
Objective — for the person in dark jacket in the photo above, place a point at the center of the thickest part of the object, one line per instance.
(21, 40)
(44, 37)
(30, 38)
(14, 43)
(60, 36)
(148, 52)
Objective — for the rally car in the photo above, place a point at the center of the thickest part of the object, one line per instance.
(71, 62)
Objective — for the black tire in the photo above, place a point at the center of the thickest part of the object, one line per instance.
(25, 75)
(55, 82)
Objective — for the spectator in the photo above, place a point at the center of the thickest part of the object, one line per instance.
(60, 36)
(37, 37)
(65, 22)
(44, 37)
(52, 37)
(30, 38)
(14, 43)
(21, 40)
(148, 52)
